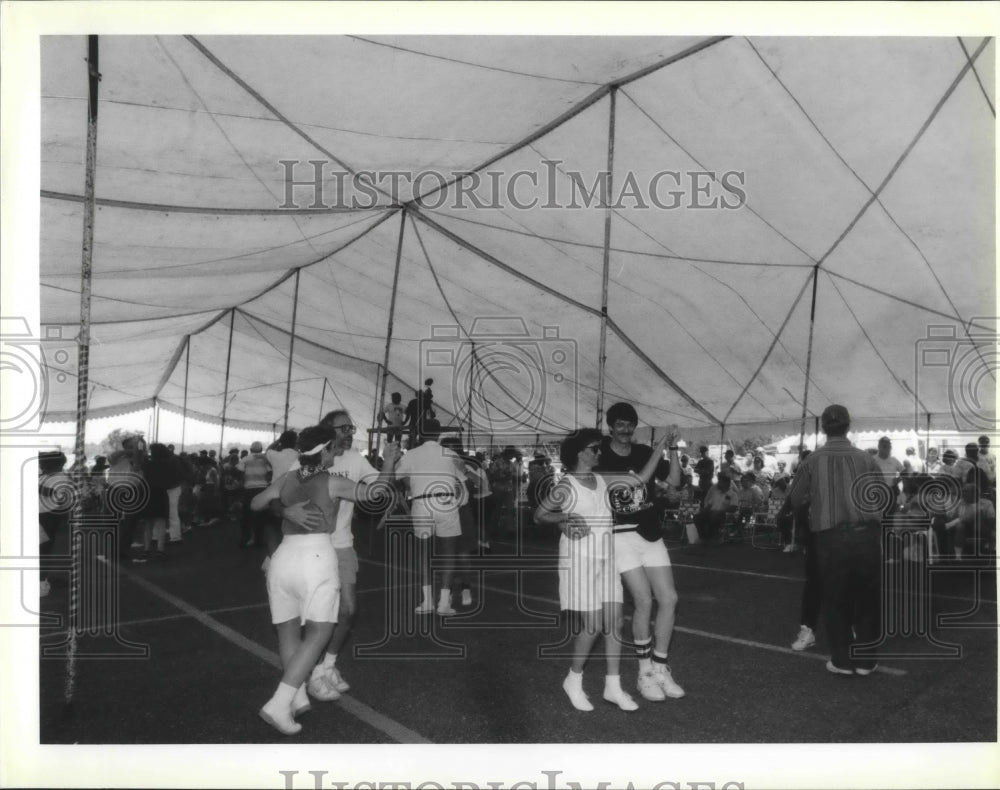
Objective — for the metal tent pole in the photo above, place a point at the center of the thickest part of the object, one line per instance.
(83, 363)
(225, 391)
(187, 368)
(322, 395)
(291, 347)
(388, 332)
(812, 326)
(602, 356)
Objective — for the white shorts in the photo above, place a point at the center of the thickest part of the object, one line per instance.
(433, 518)
(632, 550)
(586, 582)
(302, 580)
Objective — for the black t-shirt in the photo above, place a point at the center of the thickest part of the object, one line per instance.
(705, 468)
(631, 503)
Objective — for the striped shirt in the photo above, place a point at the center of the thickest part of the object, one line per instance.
(833, 481)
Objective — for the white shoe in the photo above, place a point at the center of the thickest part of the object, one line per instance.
(576, 694)
(321, 687)
(334, 676)
(649, 687)
(806, 638)
(280, 719)
(300, 704)
(445, 610)
(424, 608)
(791, 547)
(666, 680)
(466, 597)
(265, 564)
(620, 698)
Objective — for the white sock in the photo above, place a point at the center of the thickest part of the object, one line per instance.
(575, 678)
(283, 695)
(445, 599)
(612, 683)
(301, 697)
(329, 660)
(428, 593)
(645, 665)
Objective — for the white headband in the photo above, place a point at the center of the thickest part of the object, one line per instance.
(316, 449)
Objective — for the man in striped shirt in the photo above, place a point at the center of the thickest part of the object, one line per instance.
(844, 489)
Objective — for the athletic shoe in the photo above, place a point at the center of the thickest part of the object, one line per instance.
(265, 564)
(424, 608)
(466, 597)
(620, 698)
(300, 704)
(576, 694)
(831, 667)
(649, 687)
(806, 638)
(666, 680)
(281, 720)
(334, 677)
(44, 588)
(446, 610)
(790, 548)
(139, 558)
(321, 687)
(864, 671)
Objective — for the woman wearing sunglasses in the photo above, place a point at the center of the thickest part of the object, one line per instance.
(588, 583)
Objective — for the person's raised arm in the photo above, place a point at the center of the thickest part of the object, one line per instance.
(299, 513)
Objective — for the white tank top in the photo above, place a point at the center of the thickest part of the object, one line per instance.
(593, 507)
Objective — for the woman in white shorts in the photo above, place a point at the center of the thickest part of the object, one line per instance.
(303, 584)
(588, 581)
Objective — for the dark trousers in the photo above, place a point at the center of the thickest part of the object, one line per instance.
(710, 523)
(850, 572)
(252, 527)
(811, 593)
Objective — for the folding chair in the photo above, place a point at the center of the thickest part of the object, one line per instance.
(764, 532)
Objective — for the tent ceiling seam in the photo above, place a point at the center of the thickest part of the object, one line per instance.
(169, 208)
(902, 157)
(975, 72)
(576, 109)
(770, 349)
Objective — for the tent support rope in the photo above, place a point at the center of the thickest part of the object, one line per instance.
(291, 348)
(83, 367)
(809, 354)
(225, 389)
(602, 356)
(380, 395)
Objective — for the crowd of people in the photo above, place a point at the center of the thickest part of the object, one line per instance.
(296, 500)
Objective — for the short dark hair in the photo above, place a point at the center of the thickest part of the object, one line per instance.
(288, 439)
(330, 416)
(621, 411)
(311, 437)
(972, 450)
(573, 444)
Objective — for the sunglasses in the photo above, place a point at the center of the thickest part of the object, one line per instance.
(345, 429)
(592, 447)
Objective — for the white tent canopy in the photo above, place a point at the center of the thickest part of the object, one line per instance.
(860, 172)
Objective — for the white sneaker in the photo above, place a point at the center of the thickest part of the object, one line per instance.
(620, 698)
(666, 680)
(791, 547)
(466, 597)
(649, 687)
(300, 704)
(280, 719)
(424, 608)
(576, 694)
(44, 588)
(446, 610)
(806, 638)
(334, 677)
(321, 687)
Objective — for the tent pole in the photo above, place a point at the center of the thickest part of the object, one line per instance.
(815, 432)
(812, 326)
(187, 366)
(388, 331)
(322, 395)
(291, 348)
(602, 356)
(82, 364)
(376, 405)
(156, 420)
(225, 390)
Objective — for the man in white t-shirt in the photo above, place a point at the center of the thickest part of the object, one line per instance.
(892, 467)
(435, 477)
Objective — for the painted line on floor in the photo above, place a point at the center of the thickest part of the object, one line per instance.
(710, 635)
(398, 732)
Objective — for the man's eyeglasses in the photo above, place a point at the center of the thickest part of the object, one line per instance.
(621, 425)
(592, 447)
(345, 429)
